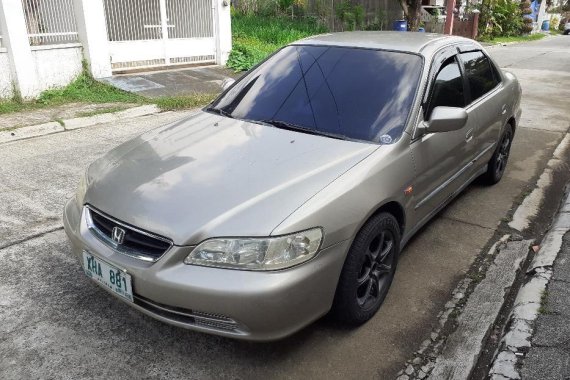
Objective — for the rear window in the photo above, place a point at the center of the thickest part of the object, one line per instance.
(360, 94)
(479, 74)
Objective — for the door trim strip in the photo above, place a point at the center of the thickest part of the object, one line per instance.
(453, 177)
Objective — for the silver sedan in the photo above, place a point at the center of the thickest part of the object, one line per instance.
(294, 192)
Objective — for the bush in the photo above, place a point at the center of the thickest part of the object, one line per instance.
(351, 15)
(502, 19)
(256, 37)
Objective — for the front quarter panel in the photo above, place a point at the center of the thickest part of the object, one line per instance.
(344, 206)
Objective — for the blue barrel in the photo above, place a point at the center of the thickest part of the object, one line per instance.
(400, 26)
(421, 30)
(546, 25)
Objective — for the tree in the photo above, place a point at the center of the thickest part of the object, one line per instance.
(412, 11)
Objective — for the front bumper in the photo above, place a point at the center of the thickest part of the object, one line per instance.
(234, 303)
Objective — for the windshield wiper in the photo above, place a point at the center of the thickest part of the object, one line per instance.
(297, 128)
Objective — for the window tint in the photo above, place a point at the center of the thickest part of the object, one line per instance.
(362, 94)
(447, 89)
(479, 74)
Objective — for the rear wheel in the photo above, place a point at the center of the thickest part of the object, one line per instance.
(498, 162)
(368, 270)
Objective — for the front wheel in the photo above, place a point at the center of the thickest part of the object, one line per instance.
(498, 163)
(368, 270)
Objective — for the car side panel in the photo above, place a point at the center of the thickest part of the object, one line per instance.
(443, 163)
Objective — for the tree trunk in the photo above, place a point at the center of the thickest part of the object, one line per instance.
(412, 11)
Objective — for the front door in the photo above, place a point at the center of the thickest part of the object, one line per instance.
(443, 160)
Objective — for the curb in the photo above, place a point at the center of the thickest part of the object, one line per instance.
(75, 123)
(456, 355)
(517, 338)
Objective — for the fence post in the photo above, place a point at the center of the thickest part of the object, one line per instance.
(223, 31)
(15, 38)
(92, 31)
(449, 17)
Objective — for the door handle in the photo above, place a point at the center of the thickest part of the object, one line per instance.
(469, 135)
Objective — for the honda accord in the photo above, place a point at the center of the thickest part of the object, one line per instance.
(294, 192)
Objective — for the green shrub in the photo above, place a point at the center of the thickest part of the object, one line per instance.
(256, 37)
(501, 18)
(351, 15)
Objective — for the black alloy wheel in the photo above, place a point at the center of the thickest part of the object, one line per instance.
(368, 270)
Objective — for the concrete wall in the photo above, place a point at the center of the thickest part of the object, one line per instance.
(5, 75)
(56, 66)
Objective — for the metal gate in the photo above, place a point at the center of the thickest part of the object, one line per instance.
(147, 33)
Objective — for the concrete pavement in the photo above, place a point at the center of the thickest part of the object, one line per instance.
(58, 324)
(549, 356)
(174, 82)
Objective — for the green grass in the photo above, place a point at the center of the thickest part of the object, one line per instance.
(530, 37)
(172, 103)
(256, 37)
(85, 89)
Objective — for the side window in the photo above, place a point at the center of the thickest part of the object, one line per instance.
(447, 89)
(479, 73)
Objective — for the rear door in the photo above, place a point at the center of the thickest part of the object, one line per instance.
(484, 100)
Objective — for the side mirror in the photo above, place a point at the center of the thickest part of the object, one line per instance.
(446, 119)
(226, 83)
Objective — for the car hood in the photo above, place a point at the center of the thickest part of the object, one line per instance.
(209, 176)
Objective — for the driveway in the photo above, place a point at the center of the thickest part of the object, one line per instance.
(55, 323)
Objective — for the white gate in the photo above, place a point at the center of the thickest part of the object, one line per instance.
(147, 33)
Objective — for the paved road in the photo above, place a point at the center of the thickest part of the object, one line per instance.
(55, 323)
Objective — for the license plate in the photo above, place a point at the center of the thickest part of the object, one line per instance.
(108, 275)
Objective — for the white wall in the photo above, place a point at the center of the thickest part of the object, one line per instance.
(56, 66)
(5, 75)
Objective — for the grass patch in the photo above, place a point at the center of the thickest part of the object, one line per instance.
(173, 103)
(100, 111)
(530, 37)
(87, 90)
(256, 37)
(84, 89)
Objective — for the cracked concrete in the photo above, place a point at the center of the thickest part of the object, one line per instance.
(550, 331)
(482, 308)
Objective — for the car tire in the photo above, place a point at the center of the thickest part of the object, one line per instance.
(498, 163)
(368, 270)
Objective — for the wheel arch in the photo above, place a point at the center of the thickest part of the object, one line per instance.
(395, 209)
(513, 123)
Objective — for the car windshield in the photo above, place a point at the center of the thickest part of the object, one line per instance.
(342, 92)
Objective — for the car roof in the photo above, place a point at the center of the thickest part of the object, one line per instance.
(422, 43)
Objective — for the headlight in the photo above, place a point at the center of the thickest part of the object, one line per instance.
(257, 253)
(81, 189)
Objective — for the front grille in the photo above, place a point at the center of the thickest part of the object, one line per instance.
(191, 317)
(136, 242)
